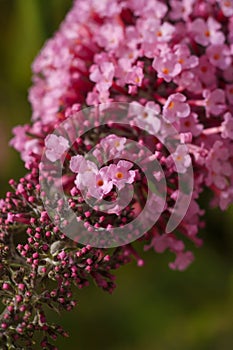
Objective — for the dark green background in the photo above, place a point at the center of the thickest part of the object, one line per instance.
(152, 307)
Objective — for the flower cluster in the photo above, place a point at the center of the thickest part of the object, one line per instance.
(171, 62)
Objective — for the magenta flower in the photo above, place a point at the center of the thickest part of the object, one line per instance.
(176, 107)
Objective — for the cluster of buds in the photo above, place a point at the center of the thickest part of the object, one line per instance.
(132, 116)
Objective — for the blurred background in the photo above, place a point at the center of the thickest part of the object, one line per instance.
(152, 307)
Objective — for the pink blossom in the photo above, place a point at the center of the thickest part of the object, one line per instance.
(227, 126)
(120, 174)
(148, 119)
(229, 93)
(77, 163)
(219, 56)
(165, 32)
(166, 241)
(181, 9)
(226, 7)
(191, 124)
(107, 8)
(206, 33)
(219, 168)
(214, 102)
(148, 8)
(167, 66)
(206, 72)
(189, 80)
(87, 171)
(184, 57)
(110, 147)
(100, 185)
(20, 137)
(102, 75)
(181, 158)
(109, 36)
(176, 107)
(183, 260)
(55, 147)
(135, 76)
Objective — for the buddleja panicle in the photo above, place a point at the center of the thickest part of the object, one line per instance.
(174, 59)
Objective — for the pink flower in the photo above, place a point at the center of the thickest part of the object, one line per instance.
(100, 185)
(165, 32)
(191, 124)
(111, 146)
(77, 163)
(89, 178)
(226, 7)
(20, 137)
(107, 8)
(176, 107)
(148, 119)
(214, 102)
(55, 146)
(183, 260)
(87, 171)
(206, 72)
(189, 80)
(218, 165)
(184, 57)
(227, 126)
(206, 33)
(135, 76)
(229, 93)
(219, 56)
(181, 9)
(120, 174)
(109, 36)
(102, 75)
(181, 158)
(167, 66)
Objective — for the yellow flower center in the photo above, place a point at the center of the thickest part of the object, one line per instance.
(171, 105)
(100, 183)
(165, 70)
(119, 175)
